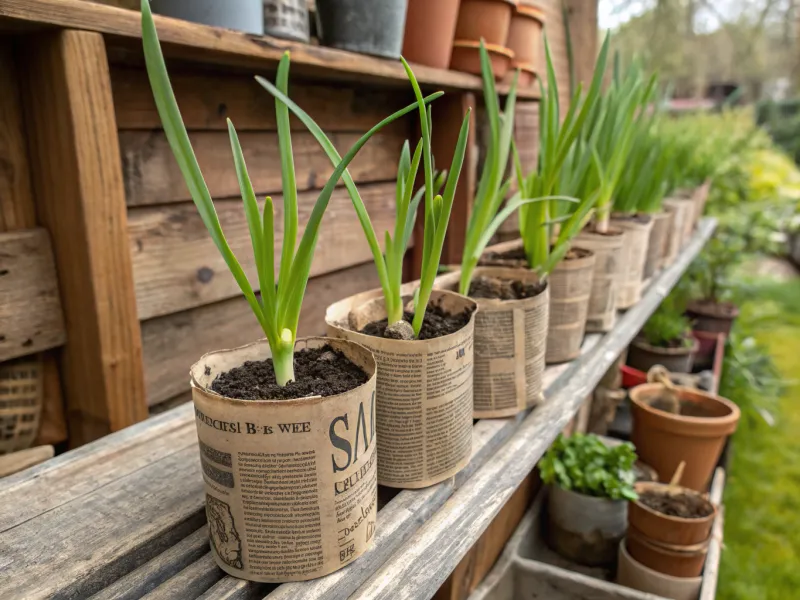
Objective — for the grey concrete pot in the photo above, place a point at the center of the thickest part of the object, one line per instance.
(243, 15)
(366, 26)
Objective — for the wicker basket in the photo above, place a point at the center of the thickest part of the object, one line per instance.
(20, 403)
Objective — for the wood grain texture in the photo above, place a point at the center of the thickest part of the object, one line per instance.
(152, 175)
(23, 459)
(191, 582)
(17, 211)
(584, 30)
(30, 309)
(80, 200)
(174, 342)
(207, 100)
(431, 554)
(200, 43)
(176, 265)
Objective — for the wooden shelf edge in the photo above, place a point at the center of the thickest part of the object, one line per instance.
(201, 43)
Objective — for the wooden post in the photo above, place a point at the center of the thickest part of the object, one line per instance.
(80, 199)
(583, 27)
(17, 211)
(448, 115)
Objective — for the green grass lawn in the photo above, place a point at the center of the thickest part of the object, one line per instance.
(761, 558)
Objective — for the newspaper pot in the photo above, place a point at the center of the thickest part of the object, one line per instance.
(715, 317)
(571, 285)
(509, 345)
(585, 529)
(700, 197)
(669, 559)
(525, 34)
(634, 253)
(608, 250)
(643, 356)
(286, 19)
(684, 199)
(244, 15)
(656, 246)
(667, 529)
(663, 440)
(467, 57)
(430, 29)
(367, 26)
(489, 20)
(21, 399)
(424, 390)
(633, 574)
(679, 209)
(287, 480)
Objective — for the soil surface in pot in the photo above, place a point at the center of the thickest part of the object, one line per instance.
(637, 218)
(723, 310)
(318, 372)
(685, 506)
(437, 323)
(688, 408)
(686, 341)
(504, 289)
(519, 254)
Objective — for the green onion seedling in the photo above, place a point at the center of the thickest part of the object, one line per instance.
(436, 211)
(278, 308)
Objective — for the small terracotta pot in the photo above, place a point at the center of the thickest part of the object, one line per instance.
(487, 19)
(525, 34)
(663, 440)
(633, 574)
(716, 317)
(669, 559)
(430, 29)
(667, 529)
(643, 356)
(467, 57)
(656, 248)
(527, 75)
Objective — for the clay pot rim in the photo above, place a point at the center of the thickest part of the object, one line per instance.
(652, 573)
(658, 486)
(531, 12)
(240, 402)
(523, 66)
(672, 550)
(642, 344)
(718, 422)
(491, 48)
(698, 307)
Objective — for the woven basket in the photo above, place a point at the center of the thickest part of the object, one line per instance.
(570, 290)
(634, 254)
(20, 403)
(656, 247)
(607, 248)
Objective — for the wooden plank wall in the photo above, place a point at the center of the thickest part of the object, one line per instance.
(187, 301)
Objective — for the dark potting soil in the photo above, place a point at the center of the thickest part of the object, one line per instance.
(685, 341)
(685, 506)
(504, 289)
(644, 219)
(318, 372)
(688, 408)
(709, 308)
(509, 257)
(437, 323)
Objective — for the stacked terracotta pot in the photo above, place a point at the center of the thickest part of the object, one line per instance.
(448, 34)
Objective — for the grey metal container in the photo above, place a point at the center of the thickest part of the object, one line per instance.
(367, 26)
(243, 15)
(287, 19)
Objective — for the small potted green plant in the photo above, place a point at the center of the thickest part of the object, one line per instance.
(590, 485)
(666, 339)
(709, 311)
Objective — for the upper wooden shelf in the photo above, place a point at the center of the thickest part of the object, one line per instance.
(200, 43)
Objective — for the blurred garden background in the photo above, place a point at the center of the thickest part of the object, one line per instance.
(732, 70)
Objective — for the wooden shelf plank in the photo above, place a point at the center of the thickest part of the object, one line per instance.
(201, 43)
(145, 483)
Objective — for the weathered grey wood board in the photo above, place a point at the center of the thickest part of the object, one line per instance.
(120, 517)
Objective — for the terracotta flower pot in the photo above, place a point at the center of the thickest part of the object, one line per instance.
(715, 317)
(430, 29)
(467, 57)
(525, 34)
(643, 356)
(669, 529)
(633, 574)
(664, 440)
(527, 75)
(669, 559)
(487, 19)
